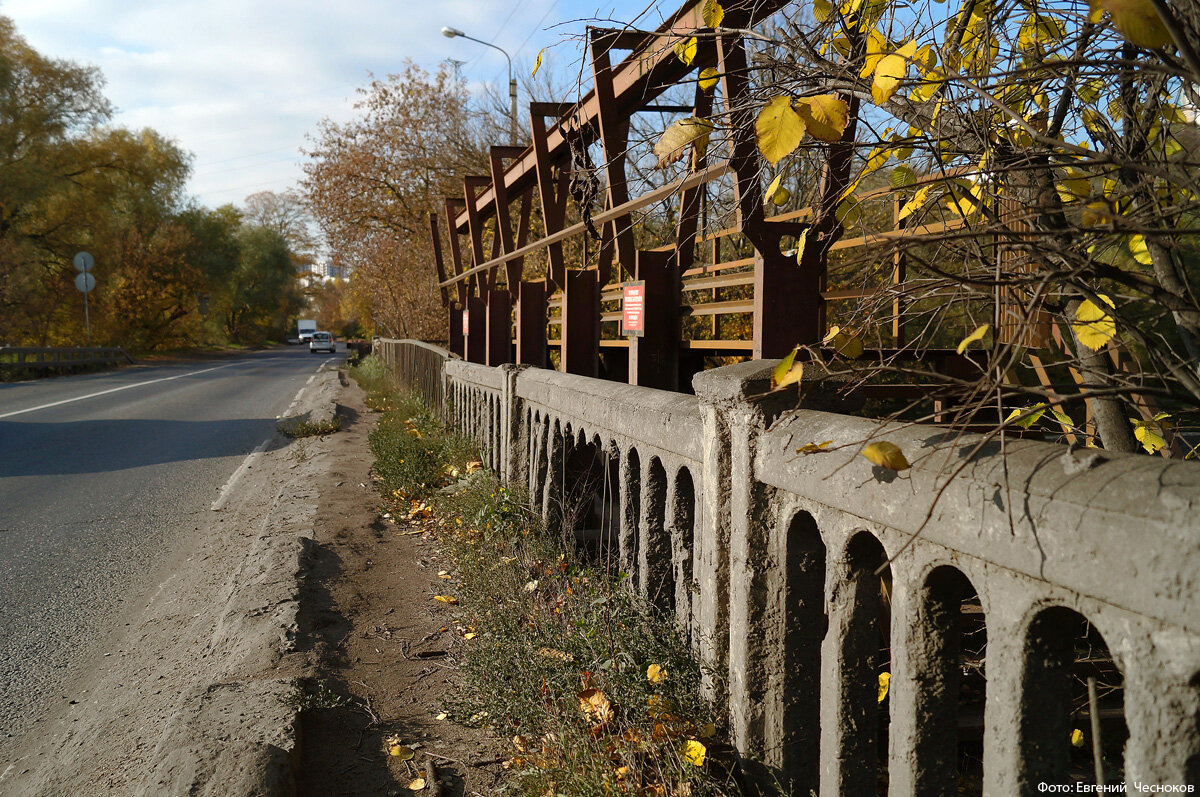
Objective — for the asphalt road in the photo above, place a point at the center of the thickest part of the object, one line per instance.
(102, 477)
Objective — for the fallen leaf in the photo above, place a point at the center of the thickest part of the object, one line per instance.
(446, 599)
(693, 752)
(655, 674)
(594, 705)
(813, 448)
(416, 784)
(887, 455)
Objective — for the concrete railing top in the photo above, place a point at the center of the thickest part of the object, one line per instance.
(479, 375)
(658, 418)
(1121, 528)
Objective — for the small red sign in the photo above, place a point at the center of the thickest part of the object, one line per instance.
(633, 308)
(466, 321)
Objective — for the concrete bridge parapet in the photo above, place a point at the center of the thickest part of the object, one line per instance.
(990, 581)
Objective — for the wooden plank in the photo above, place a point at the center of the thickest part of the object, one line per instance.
(719, 308)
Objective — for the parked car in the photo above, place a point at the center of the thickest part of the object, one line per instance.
(322, 341)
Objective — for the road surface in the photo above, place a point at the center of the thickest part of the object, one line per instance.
(102, 477)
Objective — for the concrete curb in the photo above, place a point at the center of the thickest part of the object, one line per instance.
(315, 408)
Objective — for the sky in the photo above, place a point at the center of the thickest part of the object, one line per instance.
(241, 83)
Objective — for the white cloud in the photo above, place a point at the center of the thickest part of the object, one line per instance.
(240, 83)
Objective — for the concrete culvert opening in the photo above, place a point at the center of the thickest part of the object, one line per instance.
(658, 582)
(1068, 672)
(794, 744)
(587, 511)
(863, 645)
(947, 656)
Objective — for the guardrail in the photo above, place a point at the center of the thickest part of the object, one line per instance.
(22, 359)
(1025, 599)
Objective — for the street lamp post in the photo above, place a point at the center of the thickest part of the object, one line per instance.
(451, 33)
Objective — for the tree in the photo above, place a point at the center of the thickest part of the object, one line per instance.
(371, 183)
(1054, 146)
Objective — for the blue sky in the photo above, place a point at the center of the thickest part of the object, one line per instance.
(239, 83)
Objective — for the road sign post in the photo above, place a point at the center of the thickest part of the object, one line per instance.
(85, 282)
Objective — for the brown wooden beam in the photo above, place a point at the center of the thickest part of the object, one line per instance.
(455, 336)
(531, 323)
(654, 356)
(476, 326)
(552, 214)
(614, 132)
(499, 327)
(436, 241)
(581, 324)
(455, 249)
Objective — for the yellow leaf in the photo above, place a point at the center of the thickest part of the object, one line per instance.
(1034, 413)
(1136, 20)
(787, 371)
(887, 455)
(1096, 213)
(1150, 434)
(396, 750)
(594, 706)
(655, 674)
(902, 176)
(978, 334)
(843, 342)
(551, 653)
(801, 243)
(876, 46)
(890, 72)
(825, 116)
(686, 50)
(1076, 738)
(416, 784)
(469, 635)
(813, 448)
(1093, 326)
(885, 679)
(916, 202)
(1062, 418)
(1137, 247)
(708, 78)
(712, 14)
(693, 752)
(692, 131)
(446, 599)
(848, 213)
(821, 10)
(778, 129)
(537, 64)
(777, 193)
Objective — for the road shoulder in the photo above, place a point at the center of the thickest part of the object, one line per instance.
(199, 690)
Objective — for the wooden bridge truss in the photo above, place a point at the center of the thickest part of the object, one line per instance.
(573, 310)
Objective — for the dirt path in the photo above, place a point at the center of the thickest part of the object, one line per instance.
(385, 650)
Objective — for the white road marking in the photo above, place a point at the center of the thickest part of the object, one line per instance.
(247, 463)
(114, 390)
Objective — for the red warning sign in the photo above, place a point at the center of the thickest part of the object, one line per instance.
(633, 308)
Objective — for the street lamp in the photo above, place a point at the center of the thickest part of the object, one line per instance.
(451, 33)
